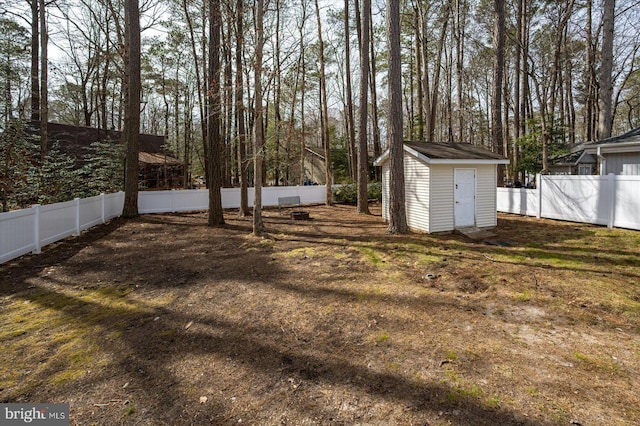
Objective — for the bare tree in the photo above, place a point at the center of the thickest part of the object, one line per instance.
(498, 72)
(199, 83)
(350, 120)
(132, 85)
(605, 118)
(363, 156)
(243, 164)
(44, 79)
(433, 106)
(375, 128)
(35, 60)
(258, 133)
(397, 210)
(589, 75)
(215, 165)
(303, 72)
(324, 112)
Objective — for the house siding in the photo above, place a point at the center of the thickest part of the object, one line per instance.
(560, 170)
(486, 210)
(416, 184)
(441, 198)
(627, 163)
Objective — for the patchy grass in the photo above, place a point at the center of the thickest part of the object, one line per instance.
(162, 320)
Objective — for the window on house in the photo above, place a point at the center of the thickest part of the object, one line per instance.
(584, 169)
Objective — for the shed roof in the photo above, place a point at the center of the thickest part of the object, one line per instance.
(449, 153)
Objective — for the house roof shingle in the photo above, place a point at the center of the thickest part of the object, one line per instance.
(632, 136)
(158, 159)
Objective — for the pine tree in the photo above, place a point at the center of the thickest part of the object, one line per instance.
(17, 150)
(57, 179)
(103, 170)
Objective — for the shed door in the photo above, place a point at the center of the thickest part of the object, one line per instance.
(464, 197)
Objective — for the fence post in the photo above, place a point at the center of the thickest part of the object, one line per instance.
(36, 230)
(611, 186)
(174, 201)
(102, 207)
(77, 209)
(539, 189)
(121, 198)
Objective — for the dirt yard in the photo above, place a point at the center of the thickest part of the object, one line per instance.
(163, 321)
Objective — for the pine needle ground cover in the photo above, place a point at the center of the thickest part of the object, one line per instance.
(161, 320)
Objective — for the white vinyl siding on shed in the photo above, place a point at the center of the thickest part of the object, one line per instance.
(486, 178)
(385, 192)
(430, 192)
(441, 199)
(416, 185)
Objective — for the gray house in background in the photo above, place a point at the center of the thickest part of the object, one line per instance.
(619, 155)
(577, 162)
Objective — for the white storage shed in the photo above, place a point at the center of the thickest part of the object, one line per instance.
(447, 186)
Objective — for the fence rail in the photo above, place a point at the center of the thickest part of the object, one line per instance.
(198, 199)
(610, 200)
(28, 230)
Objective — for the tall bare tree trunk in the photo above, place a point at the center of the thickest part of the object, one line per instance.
(243, 164)
(215, 169)
(461, 12)
(605, 118)
(590, 78)
(258, 141)
(44, 80)
(277, 115)
(419, 61)
(375, 128)
(350, 120)
(324, 124)
(549, 128)
(363, 155)
(433, 107)
(498, 71)
(229, 140)
(35, 61)
(397, 212)
(516, 88)
(303, 65)
(132, 84)
(525, 89)
(199, 83)
(423, 11)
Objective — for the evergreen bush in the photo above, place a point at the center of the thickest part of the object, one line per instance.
(348, 193)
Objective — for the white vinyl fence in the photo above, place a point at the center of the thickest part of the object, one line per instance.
(198, 199)
(28, 230)
(609, 200)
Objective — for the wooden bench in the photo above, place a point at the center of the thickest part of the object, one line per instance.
(293, 201)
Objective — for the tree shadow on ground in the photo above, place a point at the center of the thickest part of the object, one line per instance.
(149, 338)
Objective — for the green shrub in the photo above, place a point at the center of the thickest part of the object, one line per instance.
(374, 191)
(348, 193)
